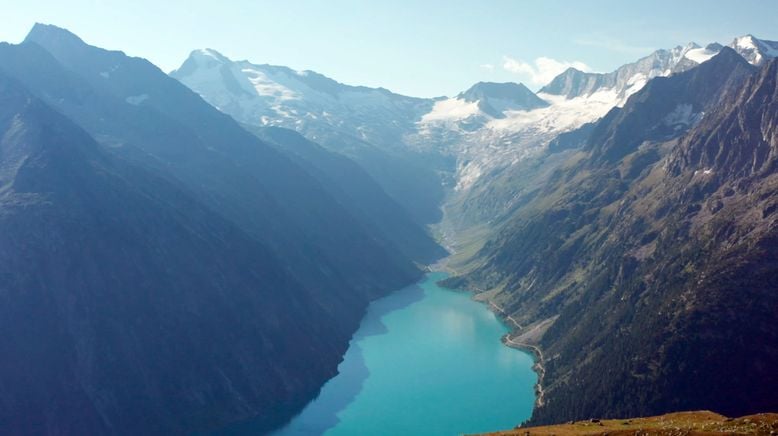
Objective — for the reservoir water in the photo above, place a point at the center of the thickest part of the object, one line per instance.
(425, 361)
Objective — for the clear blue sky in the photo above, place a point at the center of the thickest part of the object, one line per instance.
(415, 47)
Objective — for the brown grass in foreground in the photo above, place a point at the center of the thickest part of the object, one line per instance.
(673, 424)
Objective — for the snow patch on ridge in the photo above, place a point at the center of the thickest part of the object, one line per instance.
(267, 87)
(700, 55)
(683, 115)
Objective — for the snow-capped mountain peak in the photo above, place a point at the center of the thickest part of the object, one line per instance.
(680, 52)
(628, 78)
(487, 127)
(755, 50)
(486, 142)
(479, 104)
(515, 92)
(494, 99)
(306, 101)
(702, 54)
(209, 54)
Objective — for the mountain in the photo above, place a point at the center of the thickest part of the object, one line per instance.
(667, 107)
(302, 100)
(451, 141)
(499, 159)
(487, 145)
(118, 286)
(629, 78)
(472, 109)
(250, 221)
(174, 131)
(455, 141)
(353, 188)
(755, 51)
(634, 261)
(366, 124)
(209, 241)
(494, 99)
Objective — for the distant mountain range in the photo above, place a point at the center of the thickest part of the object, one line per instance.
(480, 131)
(366, 124)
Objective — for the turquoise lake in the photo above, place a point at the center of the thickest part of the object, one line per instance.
(425, 361)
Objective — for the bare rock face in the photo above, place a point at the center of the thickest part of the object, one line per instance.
(667, 106)
(739, 140)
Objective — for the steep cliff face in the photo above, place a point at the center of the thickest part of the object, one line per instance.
(649, 257)
(738, 140)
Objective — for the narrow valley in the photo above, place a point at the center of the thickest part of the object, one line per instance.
(539, 230)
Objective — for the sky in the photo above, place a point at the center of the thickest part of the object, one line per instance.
(423, 48)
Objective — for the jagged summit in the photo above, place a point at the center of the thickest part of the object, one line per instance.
(667, 106)
(630, 77)
(755, 50)
(572, 83)
(740, 138)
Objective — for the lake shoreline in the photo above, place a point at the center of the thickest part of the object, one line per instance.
(410, 338)
(507, 340)
(538, 367)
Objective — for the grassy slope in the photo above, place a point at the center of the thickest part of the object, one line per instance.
(681, 423)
